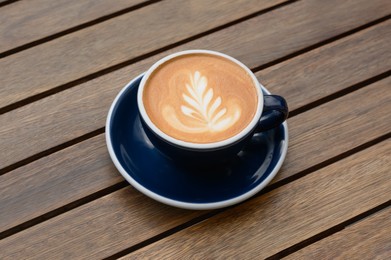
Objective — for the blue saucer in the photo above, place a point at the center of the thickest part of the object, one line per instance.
(178, 185)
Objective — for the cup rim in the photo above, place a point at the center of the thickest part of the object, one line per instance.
(201, 146)
(177, 203)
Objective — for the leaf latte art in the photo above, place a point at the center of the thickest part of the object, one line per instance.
(200, 98)
(204, 111)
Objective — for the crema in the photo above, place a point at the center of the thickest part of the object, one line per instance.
(200, 98)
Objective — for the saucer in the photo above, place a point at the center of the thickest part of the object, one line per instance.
(164, 180)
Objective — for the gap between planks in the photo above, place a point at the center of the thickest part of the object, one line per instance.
(99, 194)
(100, 130)
(328, 232)
(277, 256)
(76, 28)
(197, 233)
(121, 65)
(4, 3)
(333, 97)
(122, 184)
(110, 69)
(255, 204)
(365, 238)
(322, 43)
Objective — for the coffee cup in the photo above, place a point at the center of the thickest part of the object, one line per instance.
(201, 107)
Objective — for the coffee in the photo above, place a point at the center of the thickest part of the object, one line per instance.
(200, 98)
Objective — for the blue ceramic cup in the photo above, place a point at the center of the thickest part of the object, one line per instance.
(272, 110)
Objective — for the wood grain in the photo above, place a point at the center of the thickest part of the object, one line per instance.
(308, 142)
(288, 215)
(257, 228)
(365, 54)
(332, 68)
(27, 21)
(55, 181)
(339, 125)
(366, 239)
(114, 41)
(20, 181)
(116, 221)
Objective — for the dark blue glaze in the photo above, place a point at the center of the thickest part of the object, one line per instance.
(194, 157)
(275, 111)
(161, 175)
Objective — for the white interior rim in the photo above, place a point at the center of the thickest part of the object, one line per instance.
(181, 143)
(181, 204)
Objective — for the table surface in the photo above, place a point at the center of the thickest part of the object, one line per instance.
(62, 63)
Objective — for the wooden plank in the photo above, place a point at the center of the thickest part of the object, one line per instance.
(37, 188)
(339, 65)
(373, 118)
(133, 218)
(60, 115)
(20, 181)
(55, 181)
(360, 56)
(258, 228)
(288, 215)
(348, 116)
(114, 41)
(27, 21)
(366, 239)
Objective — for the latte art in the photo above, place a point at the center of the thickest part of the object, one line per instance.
(204, 112)
(200, 98)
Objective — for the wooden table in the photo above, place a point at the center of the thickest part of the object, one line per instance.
(63, 62)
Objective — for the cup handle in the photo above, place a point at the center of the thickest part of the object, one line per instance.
(275, 112)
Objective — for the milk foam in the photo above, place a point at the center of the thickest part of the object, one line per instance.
(200, 98)
(203, 112)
